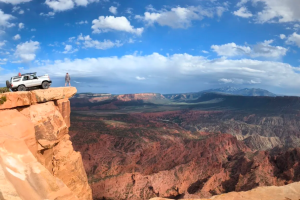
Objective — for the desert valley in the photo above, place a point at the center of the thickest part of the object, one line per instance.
(192, 145)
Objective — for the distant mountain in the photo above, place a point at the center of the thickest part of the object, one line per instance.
(223, 90)
(242, 92)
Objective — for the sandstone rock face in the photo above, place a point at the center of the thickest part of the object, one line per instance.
(287, 192)
(18, 99)
(37, 159)
(15, 99)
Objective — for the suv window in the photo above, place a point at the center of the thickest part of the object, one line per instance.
(25, 78)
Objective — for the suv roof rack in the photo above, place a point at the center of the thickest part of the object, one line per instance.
(28, 73)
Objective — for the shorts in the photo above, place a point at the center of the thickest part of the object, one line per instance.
(67, 82)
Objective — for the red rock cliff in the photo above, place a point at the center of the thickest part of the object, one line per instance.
(37, 160)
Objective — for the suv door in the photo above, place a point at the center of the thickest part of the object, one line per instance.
(34, 81)
(26, 81)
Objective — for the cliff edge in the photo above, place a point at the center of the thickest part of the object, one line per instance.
(37, 159)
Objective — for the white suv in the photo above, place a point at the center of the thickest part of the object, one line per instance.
(28, 81)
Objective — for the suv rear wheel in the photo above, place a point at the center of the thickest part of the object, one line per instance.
(45, 85)
(8, 85)
(22, 88)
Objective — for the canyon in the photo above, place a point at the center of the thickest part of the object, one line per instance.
(37, 159)
(145, 146)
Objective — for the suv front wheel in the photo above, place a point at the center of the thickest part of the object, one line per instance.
(22, 88)
(45, 85)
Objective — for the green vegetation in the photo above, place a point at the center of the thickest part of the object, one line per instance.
(2, 99)
(4, 89)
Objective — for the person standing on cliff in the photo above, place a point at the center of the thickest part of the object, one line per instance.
(67, 80)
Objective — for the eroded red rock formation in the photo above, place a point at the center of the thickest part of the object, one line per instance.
(144, 155)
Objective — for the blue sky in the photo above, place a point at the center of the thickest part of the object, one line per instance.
(165, 46)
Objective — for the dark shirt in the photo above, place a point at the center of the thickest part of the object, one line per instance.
(67, 78)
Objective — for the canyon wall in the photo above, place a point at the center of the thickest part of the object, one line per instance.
(37, 159)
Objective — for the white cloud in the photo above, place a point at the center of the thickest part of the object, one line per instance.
(21, 12)
(224, 80)
(113, 10)
(296, 27)
(5, 18)
(131, 41)
(195, 69)
(84, 2)
(179, 17)
(16, 8)
(2, 43)
(82, 22)
(140, 78)
(203, 51)
(108, 23)
(33, 29)
(242, 2)
(282, 36)
(294, 39)
(17, 37)
(263, 49)
(231, 49)
(88, 42)
(62, 5)
(278, 11)
(129, 10)
(49, 14)
(26, 51)
(69, 49)
(21, 26)
(243, 12)
(71, 39)
(3, 61)
(15, 1)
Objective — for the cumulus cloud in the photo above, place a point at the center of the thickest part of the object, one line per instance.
(2, 43)
(140, 78)
(203, 51)
(263, 49)
(225, 80)
(49, 14)
(278, 11)
(15, 1)
(17, 37)
(88, 42)
(188, 72)
(21, 12)
(282, 36)
(62, 5)
(294, 39)
(26, 51)
(243, 12)
(242, 2)
(3, 61)
(5, 18)
(109, 23)
(113, 10)
(69, 49)
(179, 17)
(82, 22)
(21, 26)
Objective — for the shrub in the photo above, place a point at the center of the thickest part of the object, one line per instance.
(2, 99)
(4, 89)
